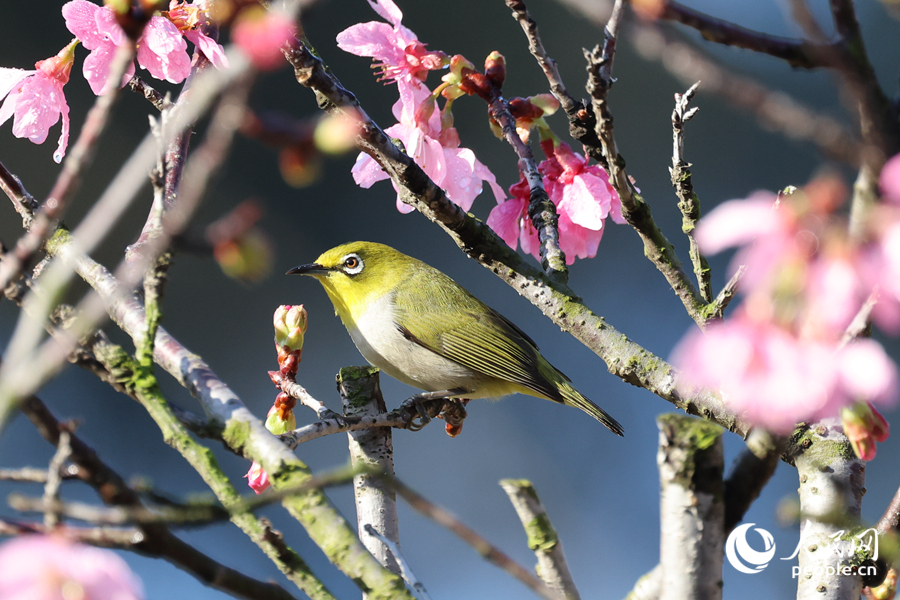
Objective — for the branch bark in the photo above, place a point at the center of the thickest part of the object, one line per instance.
(692, 510)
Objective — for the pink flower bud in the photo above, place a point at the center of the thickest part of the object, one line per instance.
(257, 478)
(864, 426)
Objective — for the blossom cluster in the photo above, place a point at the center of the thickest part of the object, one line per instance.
(36, 98)
(784, 356)
(580, 191)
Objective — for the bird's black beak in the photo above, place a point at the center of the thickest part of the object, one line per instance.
(310, 269)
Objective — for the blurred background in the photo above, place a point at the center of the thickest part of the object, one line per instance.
(601, 492)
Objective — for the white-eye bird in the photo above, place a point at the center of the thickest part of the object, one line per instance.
(421, 327)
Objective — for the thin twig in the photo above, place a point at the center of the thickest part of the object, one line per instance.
(471, 537)
(181, 516)
(581, 122)
(797, 53)
(398, 418)
(688, 202)
(51, 489)
(136, 84)
(32, 475)
(154, 540)
(723, 299)
(541, 209)
(637, 212)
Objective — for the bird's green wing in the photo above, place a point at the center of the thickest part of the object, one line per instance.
(453, 323)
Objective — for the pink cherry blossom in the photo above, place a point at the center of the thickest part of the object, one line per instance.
(456, 170)
(583, 198)
(261, 35)
(161, 48)
(40, 567)
(188, 18)
(774, 379)
(400, 54)
(36, 99)
(257, 478)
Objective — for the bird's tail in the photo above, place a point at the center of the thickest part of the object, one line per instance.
(573, 397)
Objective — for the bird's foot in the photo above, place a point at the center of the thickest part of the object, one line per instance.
(420, 418)
(326, 413)
(454, 416)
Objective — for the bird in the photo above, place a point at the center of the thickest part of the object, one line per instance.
(422, 328)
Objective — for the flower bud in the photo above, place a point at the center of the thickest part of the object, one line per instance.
(290, 325)
(281, 417)
(257, 478)
(424, 111)
(864, 426)
(495, 68)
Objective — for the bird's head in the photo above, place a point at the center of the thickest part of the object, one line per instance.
(357, 273)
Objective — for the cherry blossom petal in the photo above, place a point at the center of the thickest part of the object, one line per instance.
(867, 372)
(737, 222)
(387, 10)
(96, 68)
(108, 26)
(9, 79)
(582, 201)
(504, 220)
(37, 108)
(81, 20)
(366, 171)
(374, 39)
(210, 48)
(163, 51)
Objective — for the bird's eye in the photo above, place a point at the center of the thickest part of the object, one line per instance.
(353, 264)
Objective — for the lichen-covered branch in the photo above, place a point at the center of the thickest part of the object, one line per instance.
(543, 540)
(376, 502)
(144, 388)
(692, 510)
(832, 483)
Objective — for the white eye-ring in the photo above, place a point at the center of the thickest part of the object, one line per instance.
(353, 264)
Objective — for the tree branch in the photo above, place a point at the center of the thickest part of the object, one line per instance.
(625, 358)
(797, 53)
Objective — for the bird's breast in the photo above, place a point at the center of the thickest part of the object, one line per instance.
(379, 340)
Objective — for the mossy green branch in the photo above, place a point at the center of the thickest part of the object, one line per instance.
(143, 386)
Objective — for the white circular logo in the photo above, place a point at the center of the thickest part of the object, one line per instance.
(744, 558)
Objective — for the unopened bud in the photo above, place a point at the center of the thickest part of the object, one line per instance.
(281, 419)
(257, 478)
(495, 68)
(290, 325)
(864, 426)
(425, 110)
